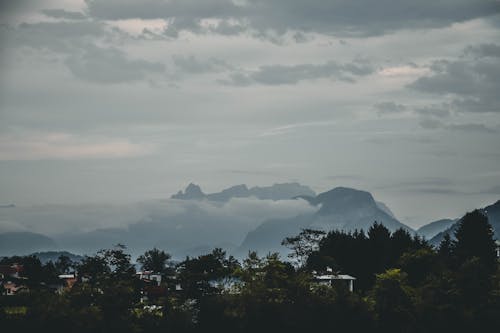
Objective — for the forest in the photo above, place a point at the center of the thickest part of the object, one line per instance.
(402, 284)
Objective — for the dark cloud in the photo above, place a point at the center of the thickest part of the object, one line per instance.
(63, 14)
(338, 17)
(472, 82)
(282, 74)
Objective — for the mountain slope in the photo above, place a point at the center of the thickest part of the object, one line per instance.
(22, 243)
(340, 208)
(432, 229)
(491, 211)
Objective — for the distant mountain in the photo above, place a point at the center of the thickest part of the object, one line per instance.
(275, 192)
(22, 243)
(491, 211)
(341, 208)
(432, 229)
(54, 255)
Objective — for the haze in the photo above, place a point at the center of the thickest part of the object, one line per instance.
(118, 101)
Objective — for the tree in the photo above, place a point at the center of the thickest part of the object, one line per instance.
(154, 260)
(63, 264)
(393, 301)
(474, 238)
(303, 244)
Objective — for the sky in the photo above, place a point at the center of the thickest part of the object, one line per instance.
(120, 101)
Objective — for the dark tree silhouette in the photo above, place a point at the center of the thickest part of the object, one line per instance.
(154, 260)
(474, 238)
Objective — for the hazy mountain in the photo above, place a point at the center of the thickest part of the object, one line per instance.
(432, 229)
(275, 192)
(341, 208)
(22, 243)
(54, 255)
(183, 227)
(491, 211)
(386, 209)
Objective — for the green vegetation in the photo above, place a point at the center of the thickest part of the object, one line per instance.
(402, 285)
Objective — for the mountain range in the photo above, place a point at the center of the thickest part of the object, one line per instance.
(275, 192)
(491, 211)
(237, 219)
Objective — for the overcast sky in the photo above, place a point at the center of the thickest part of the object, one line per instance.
(124, 100)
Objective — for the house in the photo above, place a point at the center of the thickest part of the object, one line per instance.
(13, 271)
(331, 279)
(12, 288)
(68, 280)
(149, 276)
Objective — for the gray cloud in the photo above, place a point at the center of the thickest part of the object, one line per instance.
(480, 128)
(337, 17)
(484, 50)
(63, 14)
(282, 74)
(389, 107)
(77, 42)
(472, 82)
(440, 111)
(190, 64)
(109, 65)
(430, 123)
(493, 190)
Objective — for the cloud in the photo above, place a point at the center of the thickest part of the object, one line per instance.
(471, 127)
(430, 123)
(483, 50)
(337, 17)
(493, 190)
(190, 64)
(175, 225)
(472, 83)
(63, 146)
(389, 107)
(110, 65)
(63, 14)
(440, 111)
(293, 74)
(77, 44)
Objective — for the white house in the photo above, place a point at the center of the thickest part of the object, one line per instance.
(149, 276)
(331, 278)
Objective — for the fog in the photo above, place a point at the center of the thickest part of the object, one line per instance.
(179, 226)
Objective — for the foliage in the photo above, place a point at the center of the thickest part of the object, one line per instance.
(402, 285)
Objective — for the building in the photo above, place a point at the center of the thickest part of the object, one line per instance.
(331, 279)
(149, 276)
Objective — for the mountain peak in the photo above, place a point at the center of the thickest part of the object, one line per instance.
(284, 191)
(342, 199)
(192, 191)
